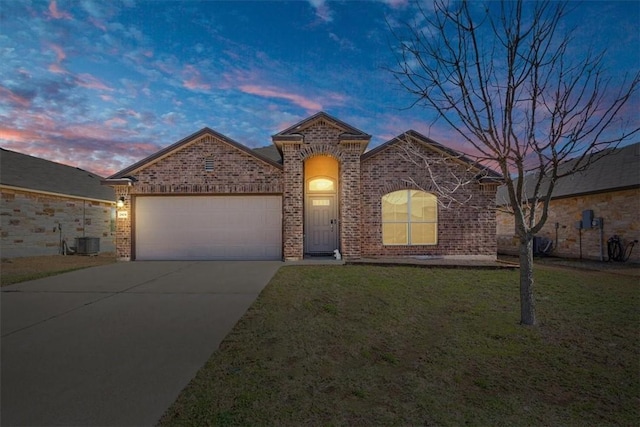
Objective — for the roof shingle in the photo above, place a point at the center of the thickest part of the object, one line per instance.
(617, 170)
(24, 171)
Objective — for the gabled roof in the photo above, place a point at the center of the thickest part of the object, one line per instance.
(33, 173)
(270, 152)
(310, 121)
(184, 142)
(347, 132)
(618, 169)
(488, 174)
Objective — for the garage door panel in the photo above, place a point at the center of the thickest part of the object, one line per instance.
(200, 228)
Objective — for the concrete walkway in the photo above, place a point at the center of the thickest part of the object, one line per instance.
(114, 345)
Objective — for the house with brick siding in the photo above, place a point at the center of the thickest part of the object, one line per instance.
(586, 209)
(43, 203)
(315, 190)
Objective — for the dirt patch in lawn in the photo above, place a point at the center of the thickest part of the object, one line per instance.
(17, 270)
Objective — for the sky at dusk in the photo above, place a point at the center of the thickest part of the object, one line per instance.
(102, 84)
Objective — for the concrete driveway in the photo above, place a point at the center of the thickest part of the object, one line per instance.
(115, 345)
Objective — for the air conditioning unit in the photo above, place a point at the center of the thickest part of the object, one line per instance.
(542, 245)
(87, 245)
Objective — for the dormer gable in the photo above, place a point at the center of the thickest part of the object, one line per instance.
(321, 128)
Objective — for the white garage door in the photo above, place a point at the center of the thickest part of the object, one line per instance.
(208, 228)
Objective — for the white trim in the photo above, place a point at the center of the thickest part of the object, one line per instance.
(50, 193)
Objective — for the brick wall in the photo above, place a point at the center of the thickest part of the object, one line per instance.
(462, 231)
(234, 171)
(350, 206)
(183, 171)
(28, 220)
(293, 206)
(123, 239)
(321, 138)
(467, 229)
(621, 213)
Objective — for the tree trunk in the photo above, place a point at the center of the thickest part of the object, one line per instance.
(527, 301)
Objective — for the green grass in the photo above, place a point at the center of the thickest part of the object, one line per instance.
(365, 345)
(12, 279)
(17, 270)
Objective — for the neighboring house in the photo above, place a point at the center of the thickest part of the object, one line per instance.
(44, 202)
(315, 190)
(609, 189)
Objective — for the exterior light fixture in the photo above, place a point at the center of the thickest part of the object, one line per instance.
(120, 203)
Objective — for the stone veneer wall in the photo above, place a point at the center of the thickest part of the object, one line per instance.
(28, 220)
(466, 230)
(621, 213)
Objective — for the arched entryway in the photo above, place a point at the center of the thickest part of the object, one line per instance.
(321, 206)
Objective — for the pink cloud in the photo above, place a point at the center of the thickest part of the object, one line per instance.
(55, 13)
(116, 121)
(60, 54)
(103, 162)
(193, 79)
(98, 147)
(299, 100)
(91, 82)
(32, 120)
(17, 135)
(14, 97)
(86, 131)
(234, 76)
(56, 67)
(98, 24)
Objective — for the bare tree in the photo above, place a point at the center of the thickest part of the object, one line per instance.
(449, 175)
(522, 91)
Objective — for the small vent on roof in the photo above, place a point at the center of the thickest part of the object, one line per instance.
(208, 164)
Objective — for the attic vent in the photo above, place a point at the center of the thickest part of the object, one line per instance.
(208, 164)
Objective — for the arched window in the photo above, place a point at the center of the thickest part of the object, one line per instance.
(321, 185)
(409, 217)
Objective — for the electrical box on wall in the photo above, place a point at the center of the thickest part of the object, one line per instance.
(578, 225)
(587, 218)
(597, 223)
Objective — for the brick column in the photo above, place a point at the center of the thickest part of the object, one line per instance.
(350, 201)
(292, 201)
(123, 225)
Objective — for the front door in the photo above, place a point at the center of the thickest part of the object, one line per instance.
(321, 223)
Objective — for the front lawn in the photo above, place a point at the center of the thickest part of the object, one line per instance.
(17, 270)
(344, 345)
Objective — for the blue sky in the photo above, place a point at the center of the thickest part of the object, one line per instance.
(102, 84)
